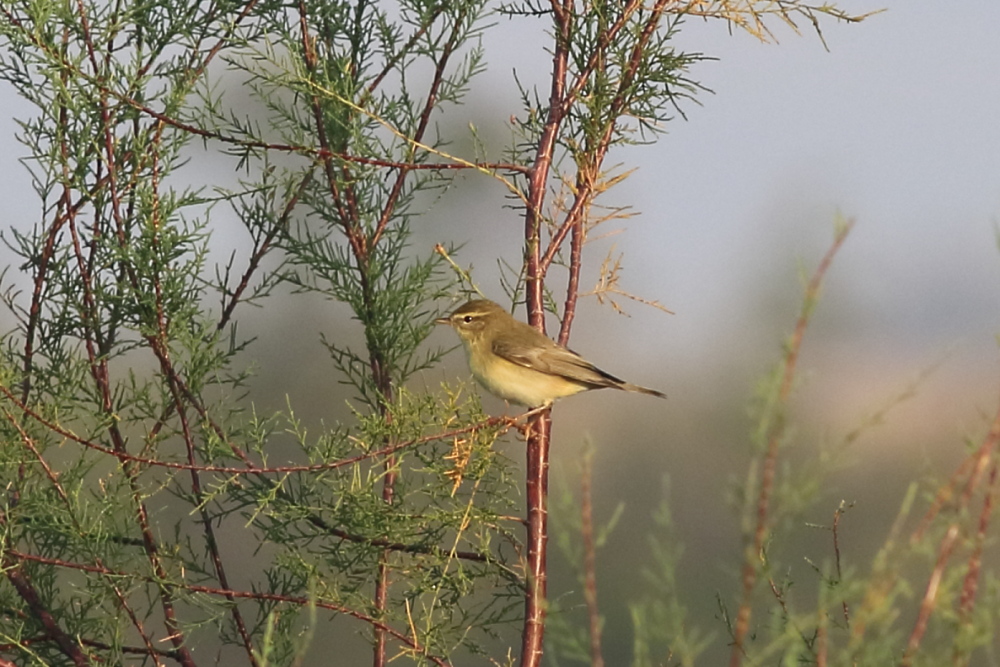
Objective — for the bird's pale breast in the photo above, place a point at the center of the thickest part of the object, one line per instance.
(521, 385)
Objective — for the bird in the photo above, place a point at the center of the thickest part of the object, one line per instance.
(518, 363)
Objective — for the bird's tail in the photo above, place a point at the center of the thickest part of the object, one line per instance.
(627, 386)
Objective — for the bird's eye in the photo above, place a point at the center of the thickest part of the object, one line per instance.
(468, 318)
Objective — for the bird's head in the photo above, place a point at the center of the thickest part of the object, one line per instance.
(477, 320)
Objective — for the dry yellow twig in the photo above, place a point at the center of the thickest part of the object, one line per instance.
(607, 285)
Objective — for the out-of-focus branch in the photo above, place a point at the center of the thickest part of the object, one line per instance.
(982, 459)
(590, 559)
(754, 551)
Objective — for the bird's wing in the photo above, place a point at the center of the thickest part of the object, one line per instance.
(555, 360)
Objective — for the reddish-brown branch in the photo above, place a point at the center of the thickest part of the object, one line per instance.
(211, 543)
(263, 246)
(65, 210)
(243, 595)
(406, 48)
(139, 626)
(980, 461)
(197, 64)
(398, 546)
(944, 495)
(836, 554)
(192, 400)
(505, 422)
(100, 373)
(320, 152)
(930, 594)
(20, 580)
(590, 560)
(53, 476)
(573, 282)
(537, 491)
(561, 100)
(128, 650)
(176, 636)
(755, 549)
(537, 454)
(974, 466)
(589, 171)
(604, 40)
(538, 178)
(810, 298)
(98, 362)
(381, 376)
(26, 590)
(316, 521)
(970, 583)
(343, 195)
(346, 220)
(35, 309)
(345, 199)
(418, 135)
(574, 214)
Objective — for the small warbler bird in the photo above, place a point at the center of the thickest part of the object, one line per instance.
(516, 362)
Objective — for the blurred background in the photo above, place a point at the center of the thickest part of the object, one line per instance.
(895, 126)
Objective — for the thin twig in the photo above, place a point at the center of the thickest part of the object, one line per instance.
(424, 121)
(836, 554)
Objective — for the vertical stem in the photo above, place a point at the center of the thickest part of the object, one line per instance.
(538, 515)
(538, 181)
(537, 455)
(362, 248)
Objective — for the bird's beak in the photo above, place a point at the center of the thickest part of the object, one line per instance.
(442, 320)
